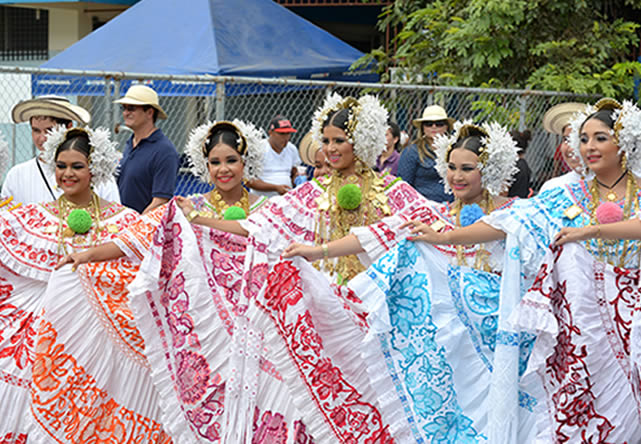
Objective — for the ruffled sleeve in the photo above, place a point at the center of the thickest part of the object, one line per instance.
(28, 244)
(534, 223)
(136, 239)
(377, 239)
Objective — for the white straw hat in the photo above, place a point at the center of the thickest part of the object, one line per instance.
(49, 106)
(559, 116)
(307, 148)
(142, 95)
(433, 113)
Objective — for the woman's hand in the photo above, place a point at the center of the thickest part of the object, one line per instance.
(185, 205)
(310, 253)
(423, 232)
(74, 259)
(569, 234)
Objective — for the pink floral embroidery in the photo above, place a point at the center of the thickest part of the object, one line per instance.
(192, 375)
(269, 428)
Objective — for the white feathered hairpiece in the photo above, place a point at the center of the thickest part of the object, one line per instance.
(4, 155)
(366, 126)
(103, 156)
(497, 161)
(251, 139)
(626, 132)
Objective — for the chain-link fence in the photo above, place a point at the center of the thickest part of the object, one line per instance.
(192, 100)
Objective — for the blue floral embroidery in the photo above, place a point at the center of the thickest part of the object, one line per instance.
(481, 291)
(451, 428)
(409, 302)
(416, 363)
(487, 328)
(526, 401)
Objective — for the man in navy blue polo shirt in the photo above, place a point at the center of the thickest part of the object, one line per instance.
(149, 164)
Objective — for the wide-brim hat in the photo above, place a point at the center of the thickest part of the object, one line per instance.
(142, 95)
(307, 149)
(559, 116)
(433, 113)
(50, 106)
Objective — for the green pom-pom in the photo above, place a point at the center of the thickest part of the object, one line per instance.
(79, 221)
(234, 213)
(349, 196)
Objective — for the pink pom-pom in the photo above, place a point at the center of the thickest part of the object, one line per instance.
(609, 212)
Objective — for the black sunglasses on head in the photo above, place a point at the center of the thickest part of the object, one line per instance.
(435, 123)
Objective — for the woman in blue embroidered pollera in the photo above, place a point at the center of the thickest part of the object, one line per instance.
(582, 302)
(433, 311)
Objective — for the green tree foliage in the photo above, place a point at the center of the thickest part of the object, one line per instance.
(582, 46)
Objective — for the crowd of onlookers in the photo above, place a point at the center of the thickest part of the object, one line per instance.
(150, 162)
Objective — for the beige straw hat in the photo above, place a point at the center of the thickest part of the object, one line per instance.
(142, 95)
(557, 117)
(49, 106)
(308, 148)
(433, 113)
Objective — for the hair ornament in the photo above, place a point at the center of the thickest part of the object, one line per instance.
(626, 132)
(497, 156)
(103, 157)
(366, 125)
(250, 142)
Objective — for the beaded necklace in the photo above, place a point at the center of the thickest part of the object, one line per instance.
(606, 249)
(90, 238)
(334, 222)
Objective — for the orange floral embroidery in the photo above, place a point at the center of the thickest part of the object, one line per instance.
(70, 407)
(108, 286)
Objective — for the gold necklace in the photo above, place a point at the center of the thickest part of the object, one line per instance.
(482, 255)
(607, 250)
(334, 222)
(65, 206)
(612, 195)
(219, 204)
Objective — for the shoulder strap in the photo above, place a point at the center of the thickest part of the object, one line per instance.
(44, 178)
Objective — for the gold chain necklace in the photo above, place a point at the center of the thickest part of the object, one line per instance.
(64, 231)
(335, 222)
(482, 255)
(607, 250)
(219, 204)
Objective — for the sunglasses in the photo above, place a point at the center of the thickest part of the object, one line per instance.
(435, 123)
(130, 108)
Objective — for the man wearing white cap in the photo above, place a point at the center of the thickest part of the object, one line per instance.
(29, 182)
(149, 164)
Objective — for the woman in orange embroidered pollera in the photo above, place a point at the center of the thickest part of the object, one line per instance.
(34, 359)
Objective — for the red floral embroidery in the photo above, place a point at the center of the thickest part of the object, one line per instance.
(568, 378)
(10, 438)
(350, 417)
(286, 291)
(627, 282)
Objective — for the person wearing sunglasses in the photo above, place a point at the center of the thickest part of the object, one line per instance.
(417, 163)
(149, 164)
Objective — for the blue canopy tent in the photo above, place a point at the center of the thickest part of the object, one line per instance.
(249, 38)
(241, 38)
